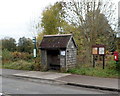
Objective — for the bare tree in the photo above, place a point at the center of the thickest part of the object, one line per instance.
(94, 20)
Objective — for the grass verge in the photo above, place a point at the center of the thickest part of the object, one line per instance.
(110, 71)
(99, 72)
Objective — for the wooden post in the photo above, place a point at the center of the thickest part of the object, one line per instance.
(103, 61)
(93, 61)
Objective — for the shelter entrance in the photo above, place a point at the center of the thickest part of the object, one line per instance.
(53, 59)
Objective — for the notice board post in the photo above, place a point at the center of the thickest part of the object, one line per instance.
(98, 50)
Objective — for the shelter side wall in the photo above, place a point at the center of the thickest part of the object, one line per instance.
(63, 63)
(44, 60)
(71, 53)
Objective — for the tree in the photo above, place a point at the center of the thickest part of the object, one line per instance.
(9, 44)
(101, 31)
(25, 45)
(118, 44)
(118, 36)
(93, 20)
(51, 22)
(51, 19)
(0, 48)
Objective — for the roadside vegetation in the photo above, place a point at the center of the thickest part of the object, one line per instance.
(111, 70)
(0, 54)
(19, 57)
(90, 24)
(25, 61)
(20, 61)
(88, 21)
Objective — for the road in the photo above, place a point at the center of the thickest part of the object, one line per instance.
(19, 86)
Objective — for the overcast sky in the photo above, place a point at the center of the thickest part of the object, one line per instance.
(16, 16)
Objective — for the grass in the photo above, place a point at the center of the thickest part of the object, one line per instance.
(95, 72)
(0, 66)
(109, 71)
(21, 65)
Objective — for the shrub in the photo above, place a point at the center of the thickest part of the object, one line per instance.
(20, 65)
(6, 56)
(16, 56)
(37, 63)
(36, 66)
(118, 65)
(109, 57)
(111, 65)
(21, 56)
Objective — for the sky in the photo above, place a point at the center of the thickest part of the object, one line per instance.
(17, 16)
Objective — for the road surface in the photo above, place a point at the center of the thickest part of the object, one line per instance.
(19, 86)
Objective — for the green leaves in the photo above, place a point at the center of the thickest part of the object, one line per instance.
(25, 45)
(52, 19)
(9, 44)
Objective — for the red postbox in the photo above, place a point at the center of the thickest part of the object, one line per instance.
(116, 56)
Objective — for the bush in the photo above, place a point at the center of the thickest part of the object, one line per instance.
(111, 65)
(21, 56)
(37, 63)
(26, 56)
(36, 66)
(118, 65)
(6, 56)
(18, 65)
(21, 61)
(16, 56)
(109, 57)
(22, 65)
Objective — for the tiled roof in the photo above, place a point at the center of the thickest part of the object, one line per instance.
(55, 41)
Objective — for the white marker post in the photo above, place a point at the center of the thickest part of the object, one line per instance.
(34, 50)
(34, 53)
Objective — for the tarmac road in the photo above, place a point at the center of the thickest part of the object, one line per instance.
(19, 86)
